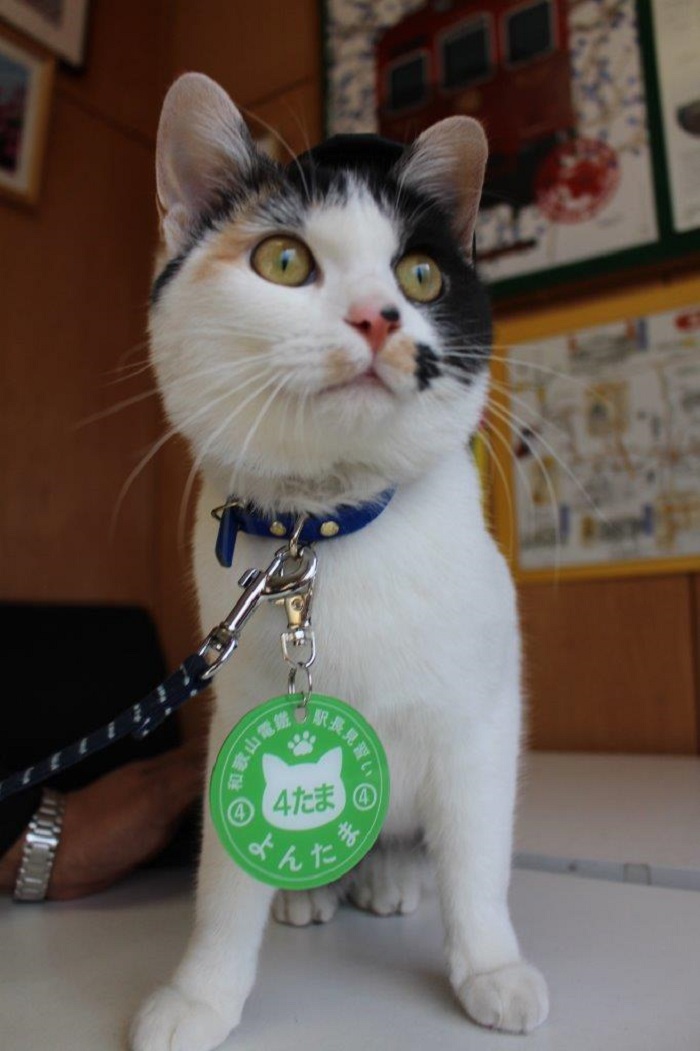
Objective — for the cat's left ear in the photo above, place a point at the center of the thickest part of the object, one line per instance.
(203, 151)
(448, 162)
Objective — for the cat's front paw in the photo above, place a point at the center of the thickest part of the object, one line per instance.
(169, 1021)
(513, 998)
(299, 908)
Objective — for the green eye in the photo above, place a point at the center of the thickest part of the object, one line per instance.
(283, 260)
(419, 277)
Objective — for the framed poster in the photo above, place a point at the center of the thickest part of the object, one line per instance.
(561, 87)
(595, 429)
(57, 24)
(676, 36)
(26, 79)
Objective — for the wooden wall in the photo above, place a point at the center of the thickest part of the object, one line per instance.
(75, 277)
(610, 665)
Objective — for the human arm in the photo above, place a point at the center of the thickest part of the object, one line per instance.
(117, 823)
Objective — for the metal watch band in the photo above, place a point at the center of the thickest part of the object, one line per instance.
(40, 846)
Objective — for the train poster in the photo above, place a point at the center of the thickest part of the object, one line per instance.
(602, 426)
(560, 88)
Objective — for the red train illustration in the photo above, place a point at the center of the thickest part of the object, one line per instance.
(505, 62)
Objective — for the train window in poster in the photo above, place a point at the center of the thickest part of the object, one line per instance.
(529, 32)
(408, 82)
(466, 54)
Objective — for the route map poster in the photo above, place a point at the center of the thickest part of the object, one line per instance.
(604, 437)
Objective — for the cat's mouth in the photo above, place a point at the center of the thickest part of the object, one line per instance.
(368, 380)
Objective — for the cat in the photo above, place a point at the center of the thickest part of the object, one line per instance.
(320, 336)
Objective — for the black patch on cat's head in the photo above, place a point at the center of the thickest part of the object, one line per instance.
(354, 153)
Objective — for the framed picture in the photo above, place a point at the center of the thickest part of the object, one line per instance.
(594, 429)
(676, 40)
(562, 88)
(57, 24)
(26, 79)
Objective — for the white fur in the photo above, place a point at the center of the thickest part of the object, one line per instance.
(415, 616)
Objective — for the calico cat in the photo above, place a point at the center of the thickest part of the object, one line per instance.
(319, 336)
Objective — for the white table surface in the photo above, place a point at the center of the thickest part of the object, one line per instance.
(622, 961)
(620, 817)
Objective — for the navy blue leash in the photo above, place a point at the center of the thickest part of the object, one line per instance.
(139, 721)
(275, 583)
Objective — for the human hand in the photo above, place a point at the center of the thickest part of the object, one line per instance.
(117, 823)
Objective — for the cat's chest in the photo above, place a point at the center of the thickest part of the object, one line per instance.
(408, 609)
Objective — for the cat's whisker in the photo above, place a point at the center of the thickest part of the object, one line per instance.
(471, 351)
(537, 417)
(123, 359)
(554, 503)
(496, 432)
(124, 373)
(298, 422)
(226, 371)
(283, 142)
(303, 129)
(172, 432)
(505, 389)
(113, 409)
(202, 454)
(240, 457)
(486, 436)
(160, 442)
(523, 425)
(286, 407)
(474, 355)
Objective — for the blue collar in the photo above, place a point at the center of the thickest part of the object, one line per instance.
(235, 517)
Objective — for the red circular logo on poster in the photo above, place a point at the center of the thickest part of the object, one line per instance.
(576, 180)
(689, 322)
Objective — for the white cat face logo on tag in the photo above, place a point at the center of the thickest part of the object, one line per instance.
(303, 795)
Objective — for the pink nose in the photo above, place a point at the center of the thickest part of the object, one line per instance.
(375, 321)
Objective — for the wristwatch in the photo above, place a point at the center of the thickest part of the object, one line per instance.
(40, 848)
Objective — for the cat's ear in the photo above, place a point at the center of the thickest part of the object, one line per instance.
(273, 768)
(203, 150)
(332, 763)
(448, 162)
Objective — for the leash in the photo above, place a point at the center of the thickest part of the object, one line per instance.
(289, 575)
(138, 721)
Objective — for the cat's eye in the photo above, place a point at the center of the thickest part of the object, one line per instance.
(284, 261)
(419, 277)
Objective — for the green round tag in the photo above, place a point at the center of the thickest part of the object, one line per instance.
(297, 804)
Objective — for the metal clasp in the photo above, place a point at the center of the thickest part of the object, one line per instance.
(299, 646)
(290, 573)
